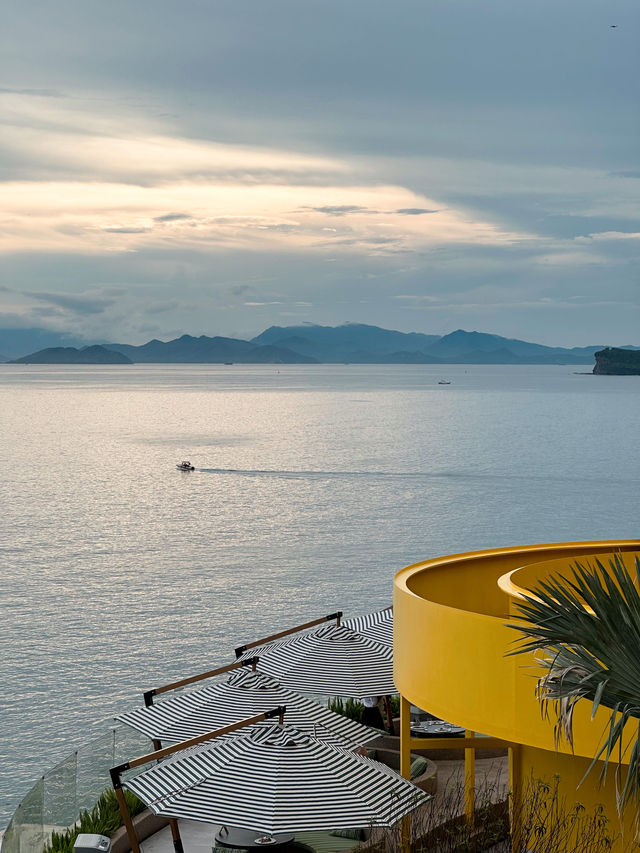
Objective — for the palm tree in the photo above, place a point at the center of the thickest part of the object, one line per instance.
(585, 631)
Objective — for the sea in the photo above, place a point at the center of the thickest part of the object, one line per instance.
(312, 486)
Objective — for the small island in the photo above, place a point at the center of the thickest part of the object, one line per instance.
(617, 362)
(70, 355)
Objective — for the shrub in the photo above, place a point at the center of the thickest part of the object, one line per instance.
(103, 819)
(547, 823)
(351, 708)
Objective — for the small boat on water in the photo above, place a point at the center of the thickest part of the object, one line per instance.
(185, 466)
(444, 382)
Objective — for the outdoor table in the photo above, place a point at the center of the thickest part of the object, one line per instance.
(436, 728)
(251, 839)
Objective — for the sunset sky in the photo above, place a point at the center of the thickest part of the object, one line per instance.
(216, 167)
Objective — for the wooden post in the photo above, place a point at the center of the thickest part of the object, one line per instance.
(126, 816)
(470, 780)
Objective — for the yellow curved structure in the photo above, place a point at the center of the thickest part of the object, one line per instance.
(451, 640)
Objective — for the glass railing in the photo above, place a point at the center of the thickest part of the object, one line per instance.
(72, 786)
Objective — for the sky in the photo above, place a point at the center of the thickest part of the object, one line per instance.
(219, 166)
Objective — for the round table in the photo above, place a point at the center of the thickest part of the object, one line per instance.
(251, 839)
(436, 728)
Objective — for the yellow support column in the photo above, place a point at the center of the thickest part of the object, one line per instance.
(405, 738)
(405, 762)
(470, 780)
(515, 806)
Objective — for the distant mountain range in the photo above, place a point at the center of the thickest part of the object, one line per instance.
(353, 343)
(70, 355)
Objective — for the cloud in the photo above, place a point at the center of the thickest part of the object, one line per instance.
(167, 306)
(39, 93)
(86, 303)
(609, 236)
(79, 138)
(414, 211)
(100, 184)
(341, 209)
(126, 230)
(111, 216)
(172, 217)
(629, 173)
(261, 304)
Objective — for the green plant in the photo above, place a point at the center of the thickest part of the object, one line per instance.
(440, 825)
(546, 823)
(585, 631)
(354, 709)
(351, 708)
(103, 819)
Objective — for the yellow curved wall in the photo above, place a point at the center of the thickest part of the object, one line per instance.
(451, 638)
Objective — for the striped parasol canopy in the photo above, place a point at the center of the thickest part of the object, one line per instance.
(376, 626)
(276, 779)
(331, 661)
(244, 694)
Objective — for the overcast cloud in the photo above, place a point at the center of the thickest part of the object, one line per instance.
(215, 168)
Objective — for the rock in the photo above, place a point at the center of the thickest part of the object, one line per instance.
(617, 362)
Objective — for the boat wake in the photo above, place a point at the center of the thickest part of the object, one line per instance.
(443, 474)
(302, 475)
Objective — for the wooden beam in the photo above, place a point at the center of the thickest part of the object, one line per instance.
(149, 694)
(337, 616)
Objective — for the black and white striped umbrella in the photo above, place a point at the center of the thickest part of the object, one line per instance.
(331, 660)
(376, 626)
(244, 694)
(276, 779)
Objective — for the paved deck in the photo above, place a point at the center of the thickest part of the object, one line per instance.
(196, 838)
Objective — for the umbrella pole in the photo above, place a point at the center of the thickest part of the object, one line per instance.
(124, 810)
(386, 703)
(173, 823)
(175, 835)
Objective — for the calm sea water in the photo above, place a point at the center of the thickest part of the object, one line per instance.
(313, 486)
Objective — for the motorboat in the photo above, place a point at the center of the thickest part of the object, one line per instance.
(444, 382)
(185, 466)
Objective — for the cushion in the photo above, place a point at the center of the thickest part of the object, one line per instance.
(418, 766)
(357, 833)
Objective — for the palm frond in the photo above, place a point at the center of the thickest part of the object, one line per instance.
(584, 631)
